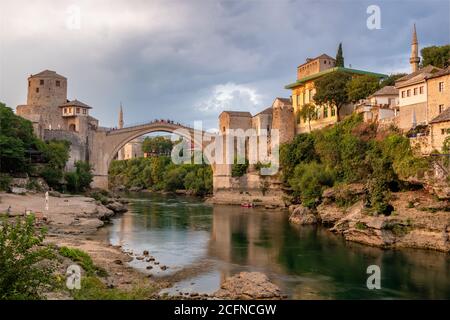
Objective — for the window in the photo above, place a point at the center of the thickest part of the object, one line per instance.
(421, 89)
(442, 131)
(37, 90)
(441, 86)
(84, 111)
(408, 93)
(41, 82)
(58, 83)
(29, 83)
(325, 112)
(441, 108)
(403, 93)
(78, 110)
(333, 112)
(70, 110)
(298, 99)
(415, 91)
(65, 110)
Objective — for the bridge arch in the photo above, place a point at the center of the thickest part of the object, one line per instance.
(108, 142)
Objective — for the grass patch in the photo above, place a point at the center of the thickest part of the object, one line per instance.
(84, 260)
(92, 288)
(360, 225)
(398, 229)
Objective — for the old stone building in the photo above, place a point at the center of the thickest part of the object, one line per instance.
(253, 185)
(439, 107)
(55, 117)
(303, 91)
(381, 106)
(414, 98)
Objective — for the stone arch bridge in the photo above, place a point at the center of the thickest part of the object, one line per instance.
(105, 143)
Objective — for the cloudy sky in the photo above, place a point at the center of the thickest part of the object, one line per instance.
(190, 59)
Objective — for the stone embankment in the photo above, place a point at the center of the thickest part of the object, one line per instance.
(419, 220)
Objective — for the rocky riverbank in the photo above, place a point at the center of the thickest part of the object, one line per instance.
(418, 220)
(76, 222)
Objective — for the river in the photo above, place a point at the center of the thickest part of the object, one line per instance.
(203, 244)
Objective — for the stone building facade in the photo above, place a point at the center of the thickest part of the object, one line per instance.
(303, 91)
(55, 117)
(252, 185)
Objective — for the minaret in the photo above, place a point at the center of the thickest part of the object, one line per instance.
(415, 59)
(121, 155)
(121, 117)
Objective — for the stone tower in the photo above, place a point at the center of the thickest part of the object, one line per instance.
(415, 59)
(283, 119)
(47, 90)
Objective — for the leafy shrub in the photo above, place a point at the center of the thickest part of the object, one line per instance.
(24, 273)
(309, 181)
(80, 179)
(5, 181)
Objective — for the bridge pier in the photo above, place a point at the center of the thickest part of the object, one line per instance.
(100, 182)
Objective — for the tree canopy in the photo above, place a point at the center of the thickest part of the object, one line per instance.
(437, 56)
(390, 80)
(332, 89)
(157, 145)
(361, 87)
(16, 136)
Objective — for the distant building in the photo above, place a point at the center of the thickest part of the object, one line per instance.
(303, 91)
(414, 107)
(132, 149)
(381, 106)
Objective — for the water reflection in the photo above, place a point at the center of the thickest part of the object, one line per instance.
(204, 244)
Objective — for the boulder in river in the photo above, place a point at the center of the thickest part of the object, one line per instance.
(303, 215)
(248, 285)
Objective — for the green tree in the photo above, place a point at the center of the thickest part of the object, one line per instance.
(301, 149)
(23, 275)
(390, 80)
(331, 89)
(174, 177)
(16, 137)
(157, 145)
(80, 179)
(56, 155)
(308, 112)
(340, 56)
(437, 56)
(361, 87)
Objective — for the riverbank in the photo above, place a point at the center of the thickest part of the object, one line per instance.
(74, 222)
(418, 220)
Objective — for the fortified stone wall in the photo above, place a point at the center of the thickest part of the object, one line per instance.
(78, 148)
(283, 120)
